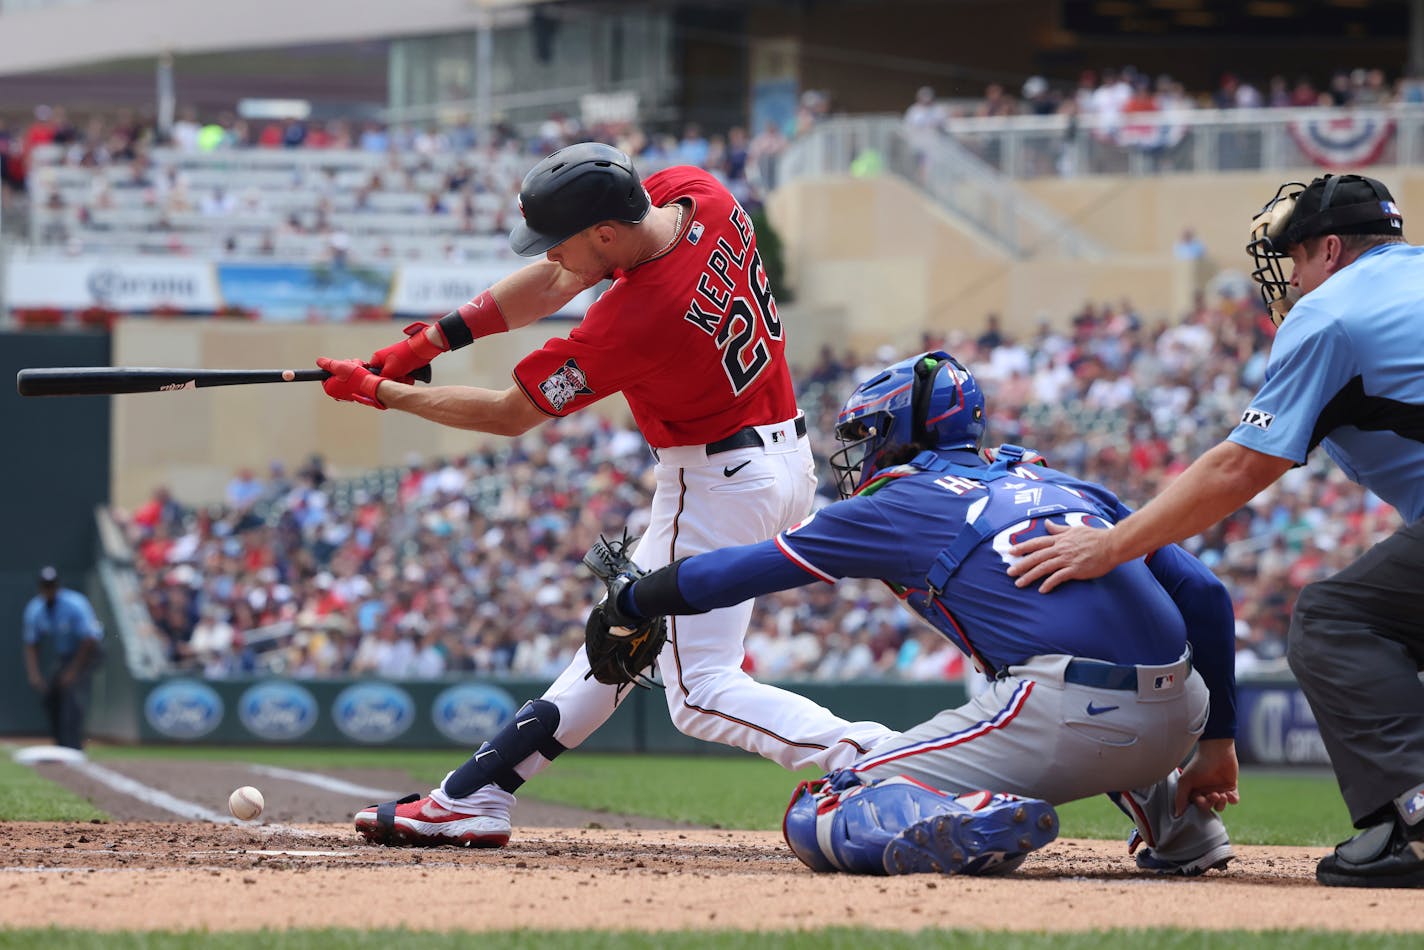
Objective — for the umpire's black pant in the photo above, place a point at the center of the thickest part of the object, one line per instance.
(1356, 646)
(65, 706)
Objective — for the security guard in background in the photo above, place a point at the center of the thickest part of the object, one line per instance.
(67, 619)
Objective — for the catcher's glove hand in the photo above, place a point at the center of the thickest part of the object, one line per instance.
(619, 647)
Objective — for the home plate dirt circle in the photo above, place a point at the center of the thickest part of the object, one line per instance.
(303, 866)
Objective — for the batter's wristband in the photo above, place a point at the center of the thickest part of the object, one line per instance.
(480, 317)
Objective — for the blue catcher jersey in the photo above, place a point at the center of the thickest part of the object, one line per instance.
(1347, 371)
(951, 529)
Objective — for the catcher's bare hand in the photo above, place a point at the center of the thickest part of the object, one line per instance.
(1209, 780)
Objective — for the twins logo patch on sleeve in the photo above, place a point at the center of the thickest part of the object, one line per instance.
(567, 382)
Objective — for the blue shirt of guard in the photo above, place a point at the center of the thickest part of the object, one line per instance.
(67, 622)
(1347, 371)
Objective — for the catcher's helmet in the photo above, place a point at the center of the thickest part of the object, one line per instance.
(1332, 204)
(929, 400)
(576, 188)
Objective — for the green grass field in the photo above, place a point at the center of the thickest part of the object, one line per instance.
(737, 791)
(720, 791)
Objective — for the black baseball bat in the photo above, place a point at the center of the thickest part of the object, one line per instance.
(113, 380)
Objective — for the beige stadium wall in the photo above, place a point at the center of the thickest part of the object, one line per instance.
(883, 264)
(887, 265)
(1148, 215)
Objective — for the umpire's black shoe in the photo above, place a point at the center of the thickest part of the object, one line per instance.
(1390, 854)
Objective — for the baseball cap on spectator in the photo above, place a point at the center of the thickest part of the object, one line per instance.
(49, 577)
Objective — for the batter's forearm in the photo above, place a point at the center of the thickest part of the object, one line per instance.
(529, 294)
(463, 407)
(535, 291)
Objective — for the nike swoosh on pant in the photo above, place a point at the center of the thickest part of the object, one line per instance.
(729, 471)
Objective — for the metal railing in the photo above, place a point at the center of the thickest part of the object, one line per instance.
(959, 180)
(142, 645)
(1194, 141)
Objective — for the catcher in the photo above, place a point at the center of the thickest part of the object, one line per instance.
(1104, 688)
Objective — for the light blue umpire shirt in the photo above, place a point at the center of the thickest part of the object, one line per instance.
(1346, 371)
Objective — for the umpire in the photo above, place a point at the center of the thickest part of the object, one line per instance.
(66, 618)
(1346, 372)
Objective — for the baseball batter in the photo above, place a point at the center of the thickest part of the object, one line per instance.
(1104, 688)
(689, 332)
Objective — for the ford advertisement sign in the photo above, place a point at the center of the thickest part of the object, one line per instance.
(373, 712)
(183, 709)
(277, 710)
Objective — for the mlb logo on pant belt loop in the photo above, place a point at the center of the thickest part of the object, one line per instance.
(778, 437)
(1164, 681)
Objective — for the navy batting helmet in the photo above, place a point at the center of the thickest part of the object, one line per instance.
(573, 189)
(929, 400)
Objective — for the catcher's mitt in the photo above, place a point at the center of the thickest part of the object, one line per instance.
(619, 647)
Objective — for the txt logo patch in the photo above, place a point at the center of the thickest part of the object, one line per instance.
(567, 382)
(1257, 418)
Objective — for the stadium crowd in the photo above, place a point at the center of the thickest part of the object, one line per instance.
(105, 182)
(472, 564)
(139, 183)
(1115, 91)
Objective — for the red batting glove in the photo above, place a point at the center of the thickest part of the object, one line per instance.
(406, 356)
(351, 382)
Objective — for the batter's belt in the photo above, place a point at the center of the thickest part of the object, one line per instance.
(774, 437)
(748, 438)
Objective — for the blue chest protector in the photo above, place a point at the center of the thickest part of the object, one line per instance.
(1009, 503)
(1012, 498)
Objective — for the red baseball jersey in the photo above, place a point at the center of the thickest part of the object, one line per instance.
(690, 337)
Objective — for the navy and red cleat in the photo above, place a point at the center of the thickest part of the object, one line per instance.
(989, 834)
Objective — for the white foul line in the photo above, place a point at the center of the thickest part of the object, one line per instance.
(150, 795)
(327, 782)
(171, 803)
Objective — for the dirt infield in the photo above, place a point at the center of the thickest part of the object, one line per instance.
(304, 867)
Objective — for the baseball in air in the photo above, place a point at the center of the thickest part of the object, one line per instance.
(245, 803)
(289, 374)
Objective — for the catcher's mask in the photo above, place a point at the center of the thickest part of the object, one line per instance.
(930, 400)
(1333, 204)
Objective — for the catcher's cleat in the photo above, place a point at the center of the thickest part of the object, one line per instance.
(1390, 854)
(1215, 858)
(414, 821)
(991, 834)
